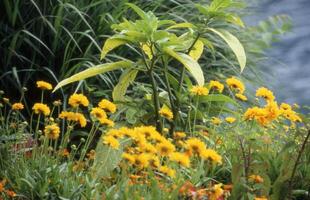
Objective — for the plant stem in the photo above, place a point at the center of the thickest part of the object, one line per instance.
(156, 101)
(172, 123)
(245, 164)
(296, 164)
(195, 115)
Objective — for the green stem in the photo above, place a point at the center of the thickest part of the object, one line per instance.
(195, 115)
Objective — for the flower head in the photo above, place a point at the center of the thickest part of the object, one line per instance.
(265, 93)
(40, 108)
(111, 141)
(78, 99)
(199, 90)
(52, 131)
(167, 171)
(72, 116)
(180, 158)
(98, 113)
(230, 119)
(216, 120)
(142, 160)
(165, 148)
(17, 106)
(107, 122)
(210, 154)
(256, 178)
(216, 192)
(107, 105)
(235, 84)
(44, 85)
(217, 86)
(196, 146)
(166, 113)
(241, 97)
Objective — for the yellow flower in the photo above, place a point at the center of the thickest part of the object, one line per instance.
(166, 113)
(179, 135)
(154, 161)
(199, 90)
(78, 99)
(107, 105)
(167, 171)
(128, 158)
(142, 160)
(180, 158)
(195, 146)
(40, 108)
(210, 154)
(256, 178)
(165, 148)
(260, 198)
(52, 131)
(234, 83)
(285, 106)
(241, 97)
(111, 141)
(71, 116)
(98, 113)
(148, 148)
(265, 93)
(17, 106)
(147, 131)
(91, 155)
(106, 122)
(217, 86)
(216, 120)
(230, 119)
(115, 133)
(216, 192)
(44, 85)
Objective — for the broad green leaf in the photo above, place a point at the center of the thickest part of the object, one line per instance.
(190, 64)
(218, 98)
(93, 71)
(127, 77)
(234, 44)
(106, 159)
(111, 44)
(138, 10)
(182, 25)
(197, 50)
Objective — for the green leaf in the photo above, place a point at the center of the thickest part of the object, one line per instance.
(182, 25)
(191, 65)
(106, 159)
(138, 10)
(219, 98)
(127, 77)
(234, 44)
(111, 44)
(197, 50)
(235, 20)
(93, 71)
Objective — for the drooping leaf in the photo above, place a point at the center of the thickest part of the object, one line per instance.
(147, 50)
(138, 10)
(235, 20)
(111, 44)
(197, 50)
(93, 71)
(182, 25)
(120, 89)
(234, 44)
(190, 64)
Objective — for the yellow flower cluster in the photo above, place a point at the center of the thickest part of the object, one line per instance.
(152, 150)
(107, 105)
(199, 90)
(73, 116)
(237, 85)
(271, 111)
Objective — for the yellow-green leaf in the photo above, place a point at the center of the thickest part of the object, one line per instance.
(235, 20)
(127, 77)
(111, 44)
(197, 50)
(190, 64)
(147, 50)
(234, 44)
(95, 70)
(182, 25)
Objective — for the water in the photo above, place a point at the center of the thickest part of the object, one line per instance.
(289, 64)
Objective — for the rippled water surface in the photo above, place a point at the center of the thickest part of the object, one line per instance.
(290, 63)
